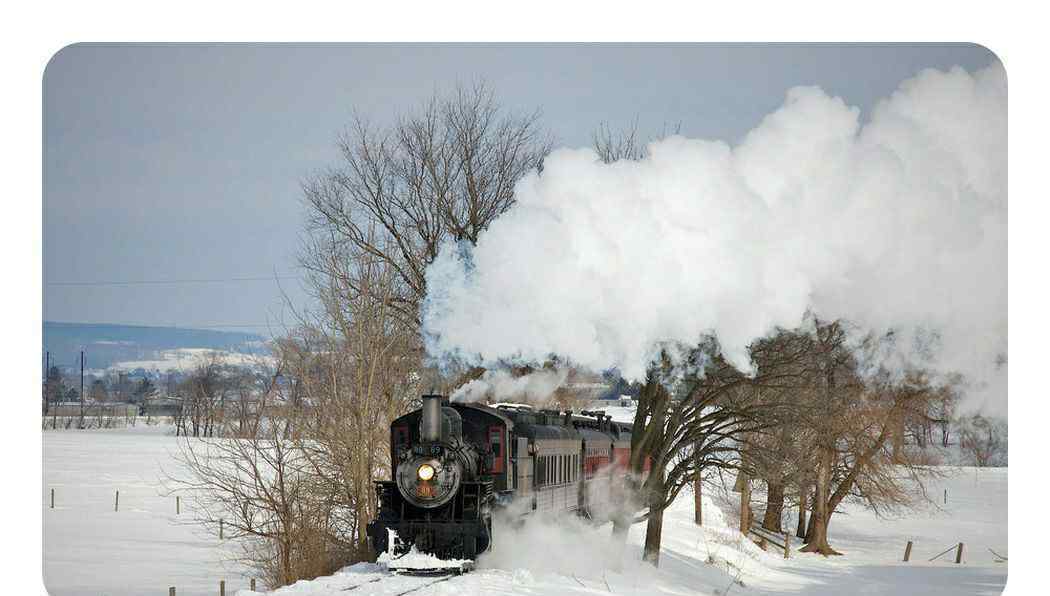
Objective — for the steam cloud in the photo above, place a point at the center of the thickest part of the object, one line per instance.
(500, 385)
(898, 223)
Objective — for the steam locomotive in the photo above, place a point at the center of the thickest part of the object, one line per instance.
(454, 464)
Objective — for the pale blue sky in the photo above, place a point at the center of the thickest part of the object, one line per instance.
(177, 162)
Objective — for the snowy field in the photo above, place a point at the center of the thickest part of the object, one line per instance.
(144, 547)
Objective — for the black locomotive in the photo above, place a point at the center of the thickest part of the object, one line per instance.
(454, 463)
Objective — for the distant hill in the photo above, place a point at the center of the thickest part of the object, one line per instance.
(106, 345)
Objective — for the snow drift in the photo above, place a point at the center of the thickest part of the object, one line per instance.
(895, 223)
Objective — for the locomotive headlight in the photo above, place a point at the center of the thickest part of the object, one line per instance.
(425, 472)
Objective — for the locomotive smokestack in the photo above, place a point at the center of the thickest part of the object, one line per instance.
(430, 426)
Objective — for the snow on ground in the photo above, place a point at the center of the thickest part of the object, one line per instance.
(186, 359)
(143, 548)
(568, 557)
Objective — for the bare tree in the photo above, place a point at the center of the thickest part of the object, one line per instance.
(853, 418)
(625, 144)
(204, 394)
(699, 423)
(400, 193)
(983, 440)
(258, 490)
(358, 367)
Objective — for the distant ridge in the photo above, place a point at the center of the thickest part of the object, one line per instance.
(106, 344)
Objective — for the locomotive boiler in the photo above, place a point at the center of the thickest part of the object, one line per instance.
(454, 464)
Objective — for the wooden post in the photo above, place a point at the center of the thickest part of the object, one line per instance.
(252, 583)
(945, 496)
(220, 529)
(907, 552)
(52, 498)
(787, 545)
(958, 553)
(178, 506)
(171, 591)
(222, 587)
(116, 501)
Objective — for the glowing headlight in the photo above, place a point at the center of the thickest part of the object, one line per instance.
(425, 472)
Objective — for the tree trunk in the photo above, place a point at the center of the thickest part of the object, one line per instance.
(698, 512)
(817, 537)
(898, 439)
(653, 535)
(774, 507)
(620, 527)
(800, 530)
(745, 503)
(655, 526)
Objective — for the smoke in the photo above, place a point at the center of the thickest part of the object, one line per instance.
(897, 223)
(499, 385)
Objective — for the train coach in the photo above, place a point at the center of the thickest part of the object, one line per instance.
(454, 464)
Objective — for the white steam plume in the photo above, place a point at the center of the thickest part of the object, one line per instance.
(499, 385)
(899, 223)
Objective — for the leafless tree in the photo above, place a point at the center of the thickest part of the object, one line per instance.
(204, 393)
(626, 144)
(983, 440)
(853, 418)
(688, 423)
(358, 368)
(399, 193)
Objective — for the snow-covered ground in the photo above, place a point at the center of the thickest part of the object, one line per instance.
(143, 548)
(186, 359)
(715, 559)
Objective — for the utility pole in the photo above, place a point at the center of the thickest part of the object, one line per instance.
(47, 381)
(81, 388)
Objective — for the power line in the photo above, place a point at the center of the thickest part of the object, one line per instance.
(169, 281)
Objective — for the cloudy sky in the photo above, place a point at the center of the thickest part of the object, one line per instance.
(183, 163)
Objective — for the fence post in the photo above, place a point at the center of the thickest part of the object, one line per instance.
(252, 584)
(116, 501)
(222, 587)
(171, 591)
(907, 552)
(945, 496)
(52, 498)
(787, 546)
(220, 529)
(958, 553)
(177, 505)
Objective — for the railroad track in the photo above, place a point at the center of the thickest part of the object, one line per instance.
(446, 575)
